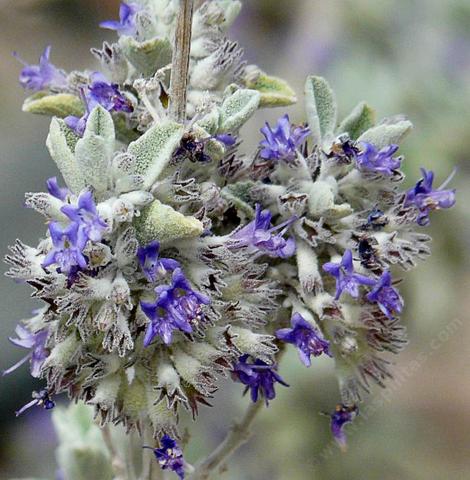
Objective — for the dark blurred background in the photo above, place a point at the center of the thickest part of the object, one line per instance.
(410, 56)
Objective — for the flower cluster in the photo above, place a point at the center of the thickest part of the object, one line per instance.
(171, 259)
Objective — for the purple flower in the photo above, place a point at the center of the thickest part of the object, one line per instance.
(346, 279)
(341, 416)
(425, 199)
(376, 220)
(56, 191)
(343, 150)
(127, 17)
(177, 307)
(305, 337)
(259, 378)
(42, 76)
(100, 92)
(40, 398)
(86, 216)
(282, 141)
(151, 264)
(387, 297)
(107, 95)
(78, 124)
(34, 341)
(381, 161)
(68, 244)
(226, 138)
(169, 456)
(266, 239)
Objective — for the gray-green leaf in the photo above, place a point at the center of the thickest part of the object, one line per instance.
(274, 91)
(154, 149)
(84, 463)
(59, 142)
(238, 108)
(81, 454)
(383, 135)
(149, 56)
(358, 121)
(163, 223)
(231, 10)
(60, 105)
(93, 152)
(320, 107)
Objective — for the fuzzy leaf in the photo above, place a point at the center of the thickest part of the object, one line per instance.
(84, 463)
(212, 147)
(163, 223)
(73, 423)
(163, 419)
(81, 454)
(94, 151)
(154, 149)
(358, 121)
(320, 108)
(239, 195)
(123, 134)
(59, 142)
(383, 135)
(238, 108)
(100, 123)
(231, 10)
(274, 91)
(210, 121)
(60, 105)
(149, 56)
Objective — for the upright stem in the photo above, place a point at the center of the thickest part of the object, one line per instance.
(150, 468)
(119, 467)
(237, 436)
(180, 61)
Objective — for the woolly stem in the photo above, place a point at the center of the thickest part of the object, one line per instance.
(180, 61)
(120, 469)
(150, 468)
(237, 436)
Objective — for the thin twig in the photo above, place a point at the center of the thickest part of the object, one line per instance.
(118, 465)
(180, 61)
(237, 436)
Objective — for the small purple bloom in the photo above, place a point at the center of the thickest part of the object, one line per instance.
(381, 161)
(56, 191)
(346, 279)
(152, 265)
(40, 398)
(100, 92)
(226, 138)
(169, 456)
(259, 378)
(262, 236)
(342, 415)
(305, 337)
(177, 307)
(86, 215)
(425, 199)
(387, 297)
(34, 341)
(282, 141)
(376, 220)
(107, 95)
(127, 18)
(42, 76)
(68, 244)
(78, 124)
